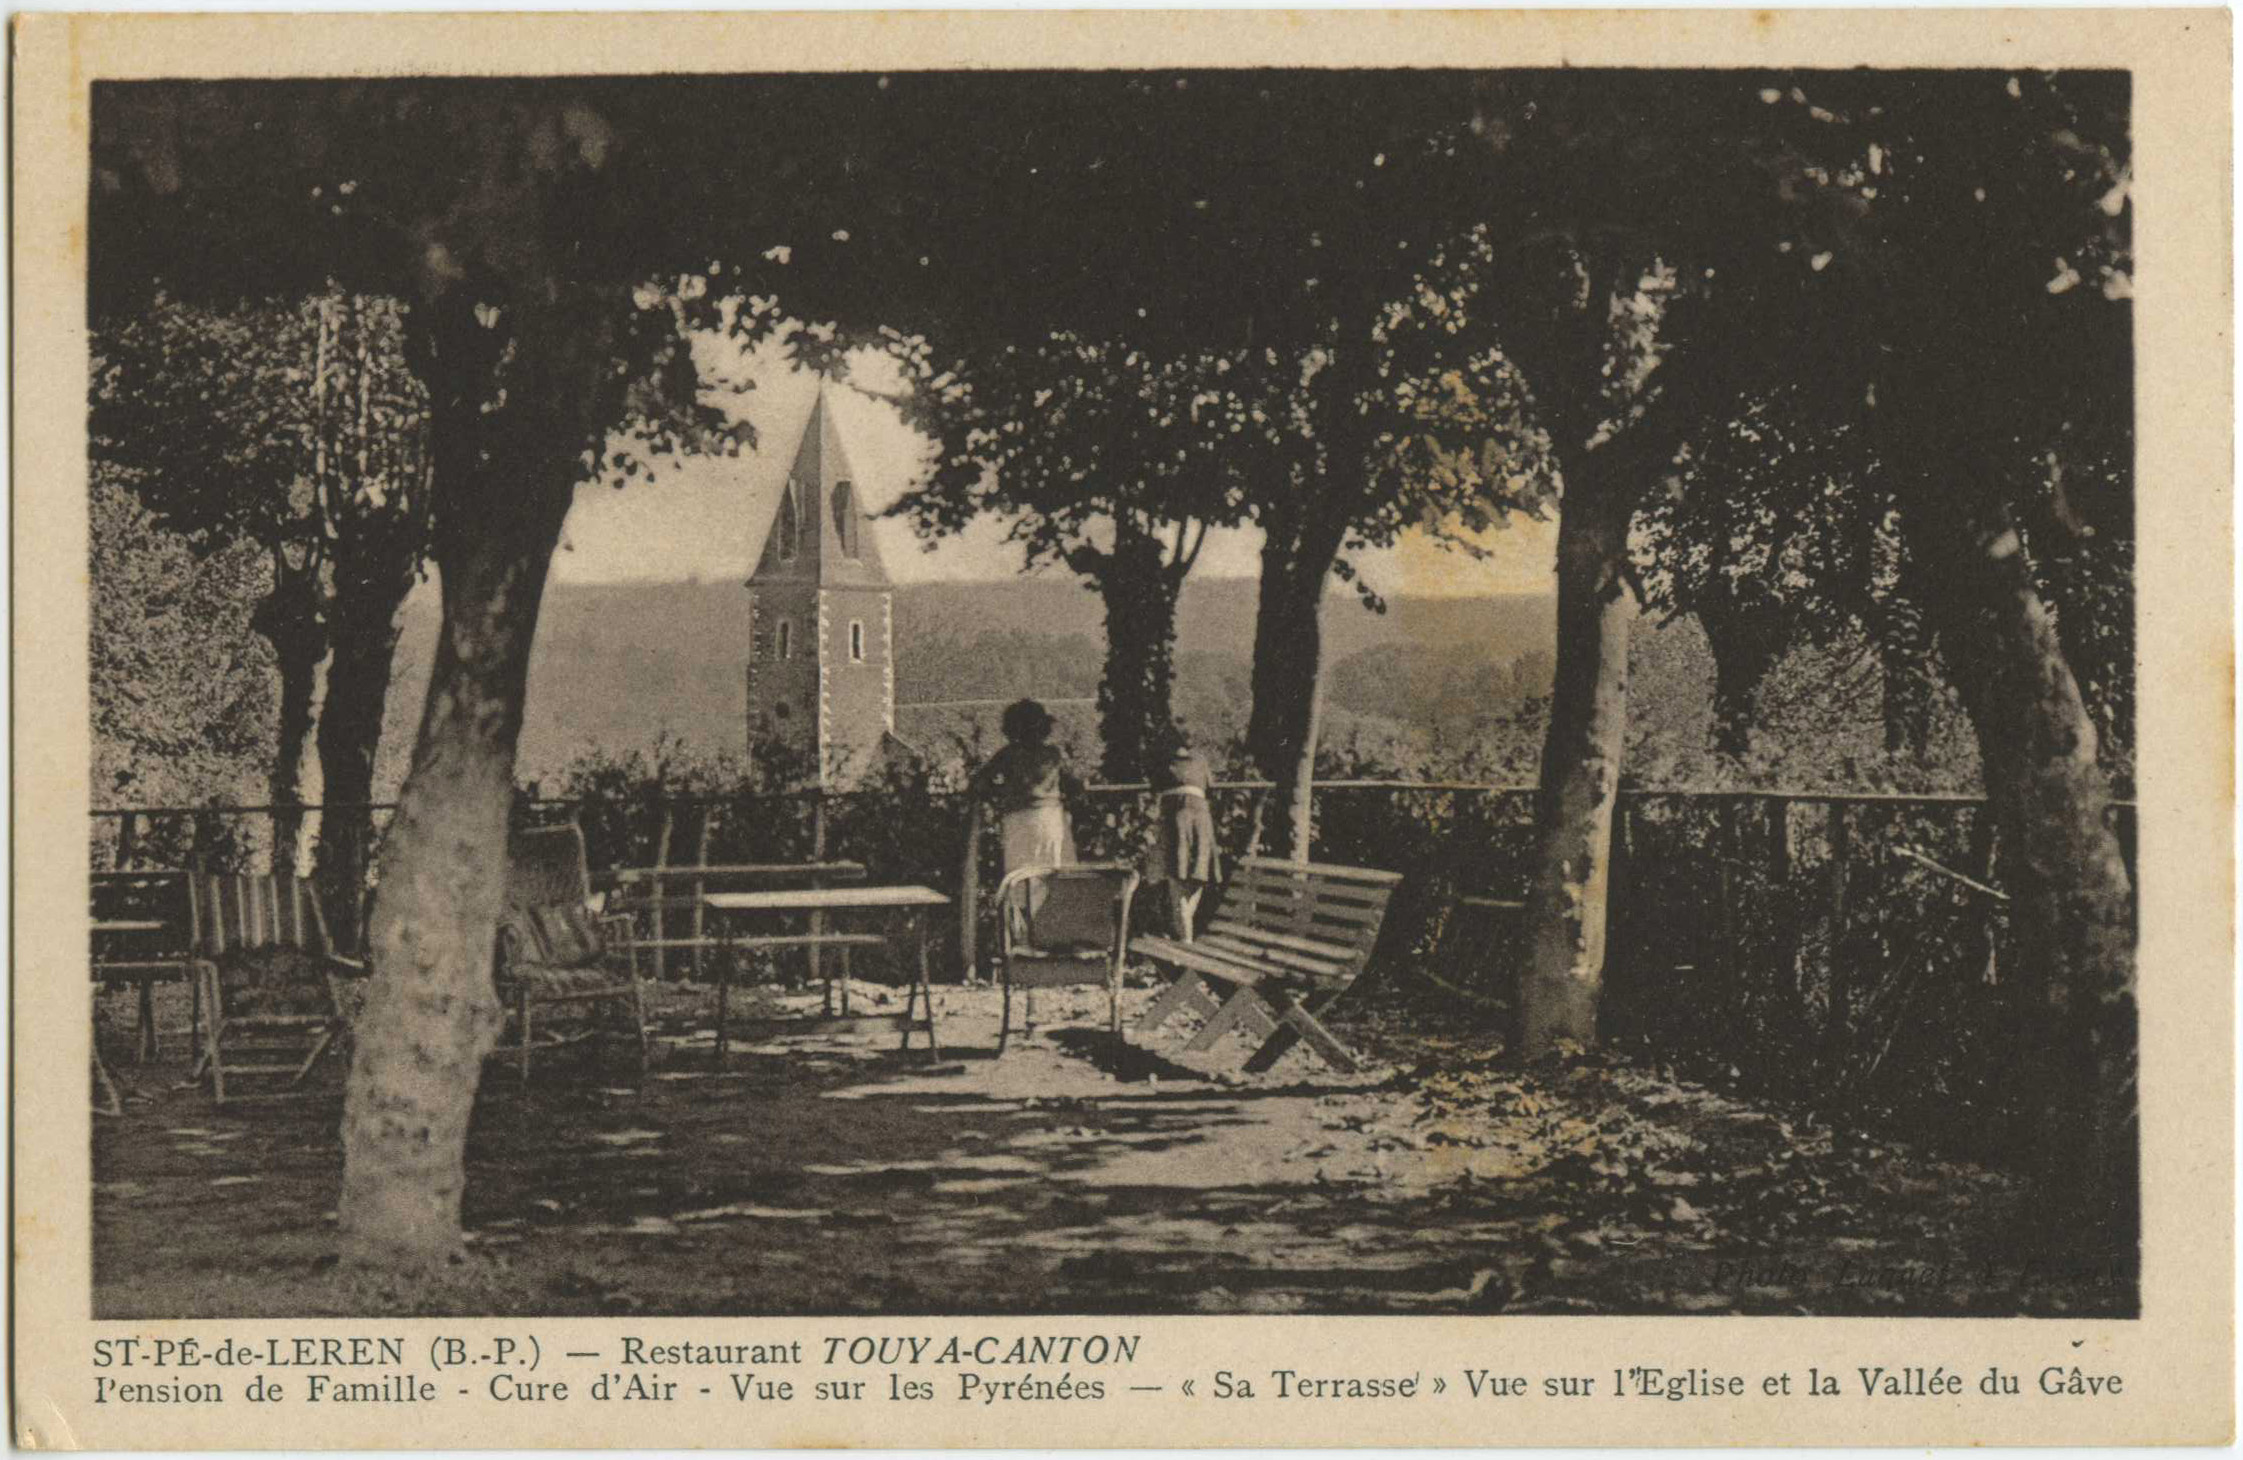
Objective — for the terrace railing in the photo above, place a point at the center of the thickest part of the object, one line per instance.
(1832, 941)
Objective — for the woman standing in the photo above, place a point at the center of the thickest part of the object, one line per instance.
(1189, 857)
(1024, 780)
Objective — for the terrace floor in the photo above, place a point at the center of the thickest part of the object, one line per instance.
(830, 1174)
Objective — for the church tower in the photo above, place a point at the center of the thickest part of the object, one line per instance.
(821, 626)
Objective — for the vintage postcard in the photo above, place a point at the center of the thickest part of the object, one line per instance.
(1059, 730)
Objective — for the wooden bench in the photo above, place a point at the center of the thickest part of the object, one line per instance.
(1287, 940)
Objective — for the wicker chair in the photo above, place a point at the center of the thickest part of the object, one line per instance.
(558, 964)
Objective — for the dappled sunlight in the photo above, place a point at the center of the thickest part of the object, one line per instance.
(821, 1173)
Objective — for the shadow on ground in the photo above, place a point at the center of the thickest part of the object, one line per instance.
(834, 1175)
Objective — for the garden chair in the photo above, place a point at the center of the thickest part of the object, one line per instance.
(261, 1020)
(1063, 927)
(558, 963)
(144, 934)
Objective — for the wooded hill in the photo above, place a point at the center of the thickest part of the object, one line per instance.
(1433, 686)
(615, 665)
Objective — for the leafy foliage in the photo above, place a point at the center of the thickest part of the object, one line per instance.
(181, 690)
(1114, 462)
(294, 425)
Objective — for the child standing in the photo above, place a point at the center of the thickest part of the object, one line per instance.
(1189, 857)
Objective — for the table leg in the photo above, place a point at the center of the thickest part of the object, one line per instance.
(926, 990)
(818, 970)
(911, 991)
(110, 1101)
(724, 998)
(147, 1019)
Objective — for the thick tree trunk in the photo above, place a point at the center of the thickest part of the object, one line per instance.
(1275, 676)
(1282, 731)
(1136, 698)
(1743, 643)
(431, 1015)
(1300, 545)
(1904, 654)
(1580, 777)
(1296, 784)
(289, 620)
(2071, 897)
(350, 729)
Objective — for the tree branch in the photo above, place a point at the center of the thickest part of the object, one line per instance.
(1184, 564)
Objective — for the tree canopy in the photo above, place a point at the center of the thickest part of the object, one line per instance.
(1187, 206)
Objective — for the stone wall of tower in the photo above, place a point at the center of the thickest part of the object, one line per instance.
(783, 700)
(856, 677)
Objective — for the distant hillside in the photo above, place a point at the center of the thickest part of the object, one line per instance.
(1217, 616)
(619, 664)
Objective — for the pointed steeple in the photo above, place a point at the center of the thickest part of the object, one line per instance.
(821, 622)
(818, 530)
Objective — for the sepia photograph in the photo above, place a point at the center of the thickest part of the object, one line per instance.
(1557, 645)
(1102, 692)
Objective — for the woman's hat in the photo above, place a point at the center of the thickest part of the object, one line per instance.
(1026, 720)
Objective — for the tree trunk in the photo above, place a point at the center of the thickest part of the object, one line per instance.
(2071, 897)
(1580, 776)
(350, 730)
(431, 1015)
(1301, 541)
(1745, 643)
(1282, 732)
(289, 620)
(1904, 654)
(1136, 698)
(501, 482)
(1275, 676)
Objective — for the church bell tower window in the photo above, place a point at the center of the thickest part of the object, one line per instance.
(845, 518)
(790, 525)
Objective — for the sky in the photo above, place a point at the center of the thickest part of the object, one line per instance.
(704, 518)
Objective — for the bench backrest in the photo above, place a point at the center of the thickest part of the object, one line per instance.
(545, 866)
(1316, 921)
(237, 910)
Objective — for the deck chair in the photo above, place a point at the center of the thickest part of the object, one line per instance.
(1063, 927)
(251, 1032)
(558, 964)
